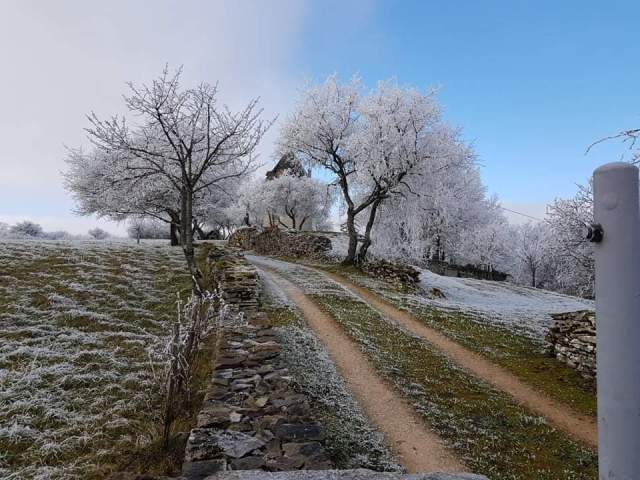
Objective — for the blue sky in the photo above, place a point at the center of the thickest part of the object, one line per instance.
(532, 84)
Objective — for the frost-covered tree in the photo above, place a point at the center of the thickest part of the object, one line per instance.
(572, 253)
(146, 228)
(372, 143)
(99, 185)
(488, 245)
(215, 217)
(251, 204)
(27, 229)
(532, 250)
(98, 234)
(183, 143)
(448, 203)
(299, 198)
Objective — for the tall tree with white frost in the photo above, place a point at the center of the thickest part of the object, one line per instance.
(372, 143)
(183, 144)
(488, 245)
(448, 203)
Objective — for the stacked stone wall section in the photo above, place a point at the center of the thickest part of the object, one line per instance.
(572, 337)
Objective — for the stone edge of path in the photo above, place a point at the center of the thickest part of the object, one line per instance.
(358, 474)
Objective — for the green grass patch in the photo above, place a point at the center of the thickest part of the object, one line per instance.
(523, 355)
(488, 430)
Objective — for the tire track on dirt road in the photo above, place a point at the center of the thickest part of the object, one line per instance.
(417, 448)
(580, 427)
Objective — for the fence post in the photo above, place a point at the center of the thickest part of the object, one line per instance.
(617, 259)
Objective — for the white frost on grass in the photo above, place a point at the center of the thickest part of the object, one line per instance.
(501, 302)
(76, 384)
(271, 292)
(309, 280)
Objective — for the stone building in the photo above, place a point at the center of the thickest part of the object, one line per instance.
(288, 163)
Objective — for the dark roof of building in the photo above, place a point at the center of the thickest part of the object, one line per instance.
(288, 163)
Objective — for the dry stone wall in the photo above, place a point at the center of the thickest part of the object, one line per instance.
(237, 279)
(252, 418)
(274, 241)
(465, 271)
(573, 340)
(243, 238)
(394, 272)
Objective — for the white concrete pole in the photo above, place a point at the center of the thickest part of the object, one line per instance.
(617, 255)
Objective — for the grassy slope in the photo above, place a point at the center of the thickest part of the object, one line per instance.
(78, 396)
(523, 355)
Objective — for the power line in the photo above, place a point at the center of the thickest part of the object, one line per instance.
(520, 213)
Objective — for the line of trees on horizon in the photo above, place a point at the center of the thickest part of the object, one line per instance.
(405, 183)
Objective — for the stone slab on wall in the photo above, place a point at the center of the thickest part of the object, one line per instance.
(573, 340)
(359, 474)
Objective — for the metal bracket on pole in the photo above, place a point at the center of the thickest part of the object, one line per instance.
(594, 233)
(617, 258)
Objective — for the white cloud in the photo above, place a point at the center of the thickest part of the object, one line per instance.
(63, 59)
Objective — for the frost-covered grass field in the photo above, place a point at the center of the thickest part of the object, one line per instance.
(78, 320)
(520, 308)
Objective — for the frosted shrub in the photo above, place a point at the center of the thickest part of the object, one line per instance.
(196, 318)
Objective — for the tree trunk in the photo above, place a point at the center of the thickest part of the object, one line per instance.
(353, 238)
(533, 277)
(184, 221)
(186, 235)
(173, 234)
(366, 243)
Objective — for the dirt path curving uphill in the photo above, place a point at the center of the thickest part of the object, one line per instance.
(417, 448)
(580, 427)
